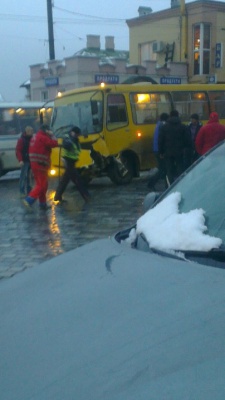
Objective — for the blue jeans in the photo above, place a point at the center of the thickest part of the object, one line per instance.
(25, 178)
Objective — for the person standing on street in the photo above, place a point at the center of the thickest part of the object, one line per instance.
(40, 149)
(173, 142)
(192, 129)
(210, 134)
(70, 153)
(161, 173)
(22, 154)
(160, 161)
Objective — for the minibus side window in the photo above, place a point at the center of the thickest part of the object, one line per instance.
(116, 111)
(14, 121)
(181, 103)
(28, 117)
(217, 102)
(147, 107)
(187, 103)
(200, 105)
(9, 124)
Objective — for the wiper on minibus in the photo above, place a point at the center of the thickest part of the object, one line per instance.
(63, 127)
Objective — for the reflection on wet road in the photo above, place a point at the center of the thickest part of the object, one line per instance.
(26, 239)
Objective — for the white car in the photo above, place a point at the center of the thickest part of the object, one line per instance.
(121, 319)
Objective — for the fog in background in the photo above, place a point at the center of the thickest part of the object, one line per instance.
(24, 33)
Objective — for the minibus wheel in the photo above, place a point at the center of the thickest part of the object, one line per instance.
(121, 173)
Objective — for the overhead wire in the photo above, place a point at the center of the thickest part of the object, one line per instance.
(107, 19)
(95, 20)
(35, 18)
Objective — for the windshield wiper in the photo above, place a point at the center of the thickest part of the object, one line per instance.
(215, 254)
(63, 127)
(142, 244)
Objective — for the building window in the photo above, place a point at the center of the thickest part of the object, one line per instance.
(146, 53)
(44, 95)
(201, 46)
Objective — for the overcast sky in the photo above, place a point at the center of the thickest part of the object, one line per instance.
(24, 32)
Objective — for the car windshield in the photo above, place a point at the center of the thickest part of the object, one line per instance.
(203, 186)
(188, 219)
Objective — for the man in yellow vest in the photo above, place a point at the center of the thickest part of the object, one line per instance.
(70, 153)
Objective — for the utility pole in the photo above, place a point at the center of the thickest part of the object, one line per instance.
(50, 31)
(183, 31)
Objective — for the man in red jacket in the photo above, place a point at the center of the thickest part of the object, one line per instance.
(40, 149)
(210, 134)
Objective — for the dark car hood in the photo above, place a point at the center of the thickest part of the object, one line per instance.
(107, 322)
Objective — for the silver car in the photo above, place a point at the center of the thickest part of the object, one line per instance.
(119, 319)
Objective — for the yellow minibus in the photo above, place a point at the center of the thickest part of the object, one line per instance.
(117, 123)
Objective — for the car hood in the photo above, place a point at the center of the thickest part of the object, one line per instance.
(106, 321)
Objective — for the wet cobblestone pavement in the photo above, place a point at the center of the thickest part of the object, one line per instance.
(29, 238)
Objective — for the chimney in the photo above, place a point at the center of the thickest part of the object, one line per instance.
(142, 11)
(109, 43)
(93, 42)
(175, 3)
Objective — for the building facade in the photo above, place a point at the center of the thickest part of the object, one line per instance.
(190, 34)
(91, 66)
(87, 67)
(182, 44)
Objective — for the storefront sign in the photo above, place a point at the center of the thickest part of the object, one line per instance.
(170, 81)
(218, 57)
(106, 78)
(212, 79)
(51, 81)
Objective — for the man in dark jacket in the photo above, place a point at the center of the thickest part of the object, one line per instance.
(193, 127)
(162, 120)
(173, 141)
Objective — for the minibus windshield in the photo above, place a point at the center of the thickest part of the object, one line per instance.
(84, 110)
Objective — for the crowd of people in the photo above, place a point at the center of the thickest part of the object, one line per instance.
(177, 146)
(34, 155)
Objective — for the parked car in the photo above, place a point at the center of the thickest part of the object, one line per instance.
(129, 317)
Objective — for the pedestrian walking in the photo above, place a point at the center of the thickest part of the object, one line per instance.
(70, 153)
(173, 140)
(210, 134)
(190, 154)
(161, 173)
(40, 149)
(160, 161)
(22, 154)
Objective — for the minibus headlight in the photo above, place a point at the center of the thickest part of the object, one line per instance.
(52, 172)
